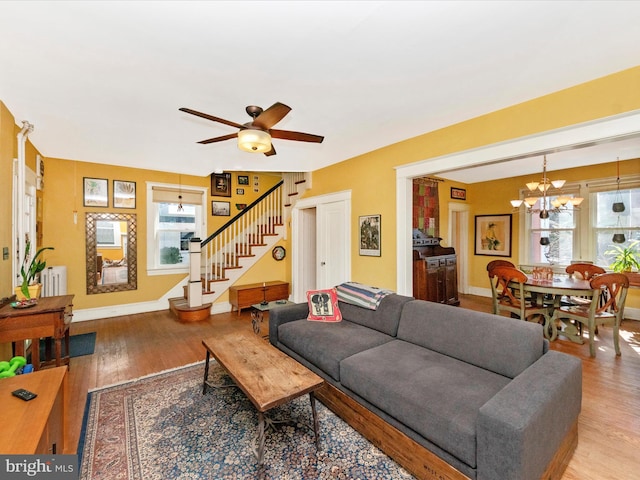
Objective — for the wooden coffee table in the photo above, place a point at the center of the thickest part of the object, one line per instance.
(267, 376)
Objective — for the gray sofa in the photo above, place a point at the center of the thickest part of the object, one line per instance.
(446, 392)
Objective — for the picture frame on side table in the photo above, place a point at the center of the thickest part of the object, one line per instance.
(124, 194)
(220, 184)
(95, 192)
(220, 209)
(370, 235)
(493, 235)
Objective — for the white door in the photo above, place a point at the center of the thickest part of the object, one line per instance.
(333, 246)
(321, 237)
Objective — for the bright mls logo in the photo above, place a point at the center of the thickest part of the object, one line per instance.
(45, 467)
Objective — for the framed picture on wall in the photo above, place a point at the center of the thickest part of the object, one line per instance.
(493, 235)
(243, 179)
(124, 194)
(370, 235)
(220, 184)
(95, 192)
(220, 209)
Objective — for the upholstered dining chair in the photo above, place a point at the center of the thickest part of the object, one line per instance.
(606, 308)
(507, 289)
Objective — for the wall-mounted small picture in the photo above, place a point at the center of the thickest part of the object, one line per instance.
(256, 189)
(220, 184)
(458, 193)
(243, 179)
(95, 192)
(220, 209)
(370, 235)
(493, 235)
(239, 191)
(241, 206)
(124, 194)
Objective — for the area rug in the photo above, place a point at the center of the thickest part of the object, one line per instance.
(163, 427)
(79, 345)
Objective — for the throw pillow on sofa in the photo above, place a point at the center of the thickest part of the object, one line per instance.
(323, 306)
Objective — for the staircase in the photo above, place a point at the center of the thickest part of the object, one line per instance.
(227, 253)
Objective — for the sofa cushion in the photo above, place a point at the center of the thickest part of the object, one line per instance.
(384, 319)
(326, 344)
(437, 396)
(500, 344)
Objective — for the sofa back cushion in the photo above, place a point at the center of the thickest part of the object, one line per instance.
(502, 345)
(384, 319)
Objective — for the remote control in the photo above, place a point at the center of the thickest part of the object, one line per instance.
(23, 394)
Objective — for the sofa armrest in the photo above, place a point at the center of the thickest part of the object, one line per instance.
(284, 314)
(520, 429)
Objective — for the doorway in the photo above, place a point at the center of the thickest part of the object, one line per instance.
(321, 243)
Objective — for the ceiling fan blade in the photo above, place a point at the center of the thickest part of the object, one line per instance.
(298, 136)
(271, 116)
(270, 152)
(211, 117)
(219, 139)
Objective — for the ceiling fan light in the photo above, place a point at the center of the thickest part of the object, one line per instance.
(254, 141)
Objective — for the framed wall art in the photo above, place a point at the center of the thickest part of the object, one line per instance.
(239, 191)
(493, 235)
(458, 193)
(220, 184)
(220, 209)
(95, 192)
(243, 179)
(124, 194)
(370, 235)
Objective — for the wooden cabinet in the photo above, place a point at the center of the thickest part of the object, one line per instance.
(243, 296)
(435, 279)
(36, 426)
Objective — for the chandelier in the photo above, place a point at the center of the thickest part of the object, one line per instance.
(538, 198)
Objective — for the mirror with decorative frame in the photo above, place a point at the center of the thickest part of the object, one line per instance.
(111, 252)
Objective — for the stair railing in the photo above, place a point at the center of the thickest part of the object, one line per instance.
(222, 249)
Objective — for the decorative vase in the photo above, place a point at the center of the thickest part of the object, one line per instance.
(34, 292)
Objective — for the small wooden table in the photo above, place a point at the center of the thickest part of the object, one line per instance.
(243, 296)
(267, 376)
(36, 426)
(50, 317)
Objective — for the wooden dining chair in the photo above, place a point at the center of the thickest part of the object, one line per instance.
(508, 292)
(586, 271)
(607, 309)
(499, 263)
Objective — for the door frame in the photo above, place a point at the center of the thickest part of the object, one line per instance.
(298, 254)
(461, 244)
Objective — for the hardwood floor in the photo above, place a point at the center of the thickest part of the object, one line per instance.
(132, 346)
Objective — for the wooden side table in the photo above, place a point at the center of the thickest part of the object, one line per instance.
(243, 296)
(50, 317)
(36, 426)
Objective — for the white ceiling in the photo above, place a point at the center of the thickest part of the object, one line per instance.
(102, 81)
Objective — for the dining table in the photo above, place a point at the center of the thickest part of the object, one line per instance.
(556, 288)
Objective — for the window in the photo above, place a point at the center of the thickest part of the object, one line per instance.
(560, 229)
(108, 234)
(586, 233)
(171, 226)
(607, 222)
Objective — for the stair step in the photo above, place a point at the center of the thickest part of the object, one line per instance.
(184, 313)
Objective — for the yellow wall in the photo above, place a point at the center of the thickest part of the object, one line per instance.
(8, 150)
(371, 177)
(63, 195)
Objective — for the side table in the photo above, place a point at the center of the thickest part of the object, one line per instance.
(258, 310)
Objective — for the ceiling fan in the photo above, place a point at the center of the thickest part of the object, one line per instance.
(255, 136)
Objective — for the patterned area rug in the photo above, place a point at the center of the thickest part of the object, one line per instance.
(162, 427)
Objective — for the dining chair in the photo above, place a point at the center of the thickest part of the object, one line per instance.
(499, 263)
(587, 271)
(508, 292)
(606, 308)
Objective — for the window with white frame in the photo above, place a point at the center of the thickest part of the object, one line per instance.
(607, 222)
(585, 233)
(175, 215)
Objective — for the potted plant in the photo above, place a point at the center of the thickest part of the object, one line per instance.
(625, 258)
(30, 271)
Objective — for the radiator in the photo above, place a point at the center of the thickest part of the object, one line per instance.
(54, 281)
